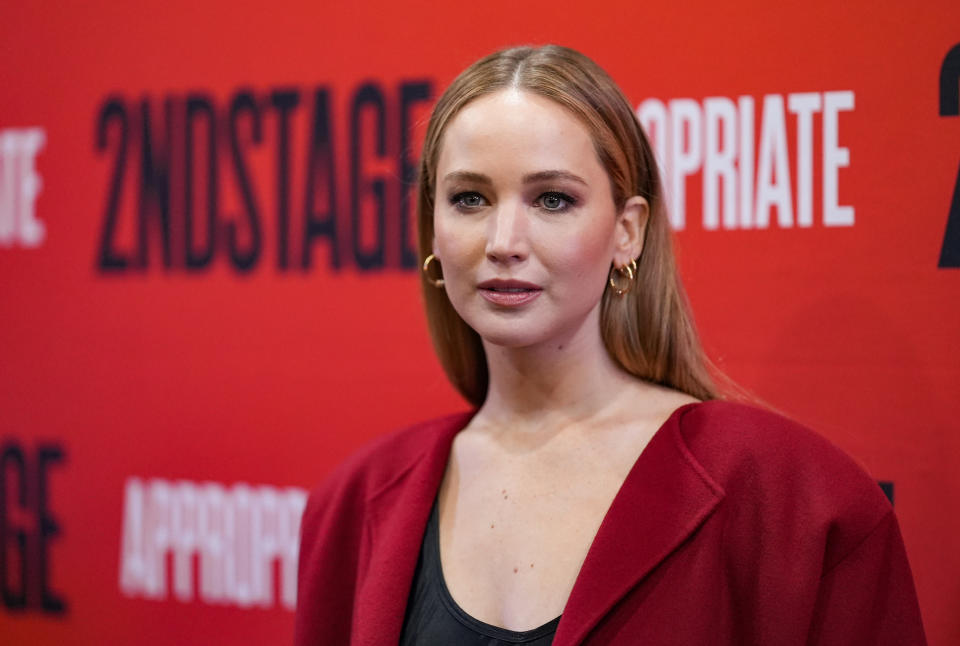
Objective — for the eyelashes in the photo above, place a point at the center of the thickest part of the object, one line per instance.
(549, 201)
(468, 201)
(556, 201)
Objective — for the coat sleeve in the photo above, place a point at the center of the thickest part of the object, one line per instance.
(868, 597)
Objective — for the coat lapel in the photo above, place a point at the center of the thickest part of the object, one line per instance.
(396, 520)
(665, 497)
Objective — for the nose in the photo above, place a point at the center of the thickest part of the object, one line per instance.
(507, 235)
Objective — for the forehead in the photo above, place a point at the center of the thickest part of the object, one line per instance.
(512, 131)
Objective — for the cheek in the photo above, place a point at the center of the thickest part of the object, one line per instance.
(586, 254)
(455, 244)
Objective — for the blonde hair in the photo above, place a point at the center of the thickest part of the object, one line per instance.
(648, 331)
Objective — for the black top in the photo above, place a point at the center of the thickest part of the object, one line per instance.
(434, 618)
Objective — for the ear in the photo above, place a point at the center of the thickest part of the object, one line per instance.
(630, 231)
(433, 248)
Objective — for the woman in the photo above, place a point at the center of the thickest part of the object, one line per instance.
(599, 494)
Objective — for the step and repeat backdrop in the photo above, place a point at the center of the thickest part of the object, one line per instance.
(208, 276)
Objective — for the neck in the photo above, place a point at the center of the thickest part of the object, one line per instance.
(571, 379)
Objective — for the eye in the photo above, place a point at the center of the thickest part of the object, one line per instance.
(556, 201)
(467, 200)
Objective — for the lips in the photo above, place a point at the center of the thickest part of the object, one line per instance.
(509, 293)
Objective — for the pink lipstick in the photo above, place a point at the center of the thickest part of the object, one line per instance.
(509, 293)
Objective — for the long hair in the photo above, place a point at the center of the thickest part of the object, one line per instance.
(648, 331)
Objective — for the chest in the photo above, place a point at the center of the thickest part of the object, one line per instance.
(514, 532)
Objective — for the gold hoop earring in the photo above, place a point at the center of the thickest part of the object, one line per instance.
(436, 282)
(620, 273)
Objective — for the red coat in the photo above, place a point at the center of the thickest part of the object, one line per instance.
(735, 526)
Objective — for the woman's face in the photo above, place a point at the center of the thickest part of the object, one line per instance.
(525, 226)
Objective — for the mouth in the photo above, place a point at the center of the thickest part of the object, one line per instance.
(500, 285)
(509, 293)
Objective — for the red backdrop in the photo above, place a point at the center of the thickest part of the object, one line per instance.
(208, 293)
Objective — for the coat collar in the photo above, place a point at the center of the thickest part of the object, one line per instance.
(664, 498)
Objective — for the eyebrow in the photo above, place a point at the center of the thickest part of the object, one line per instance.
(529, 178)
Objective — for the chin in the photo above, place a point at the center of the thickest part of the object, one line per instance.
(510, 340)
(525, 329)
(514, 334)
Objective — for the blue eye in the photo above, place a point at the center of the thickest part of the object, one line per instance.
(556, 201)
(467, 200)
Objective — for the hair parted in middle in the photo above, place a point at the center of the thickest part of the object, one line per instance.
(649, 330)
